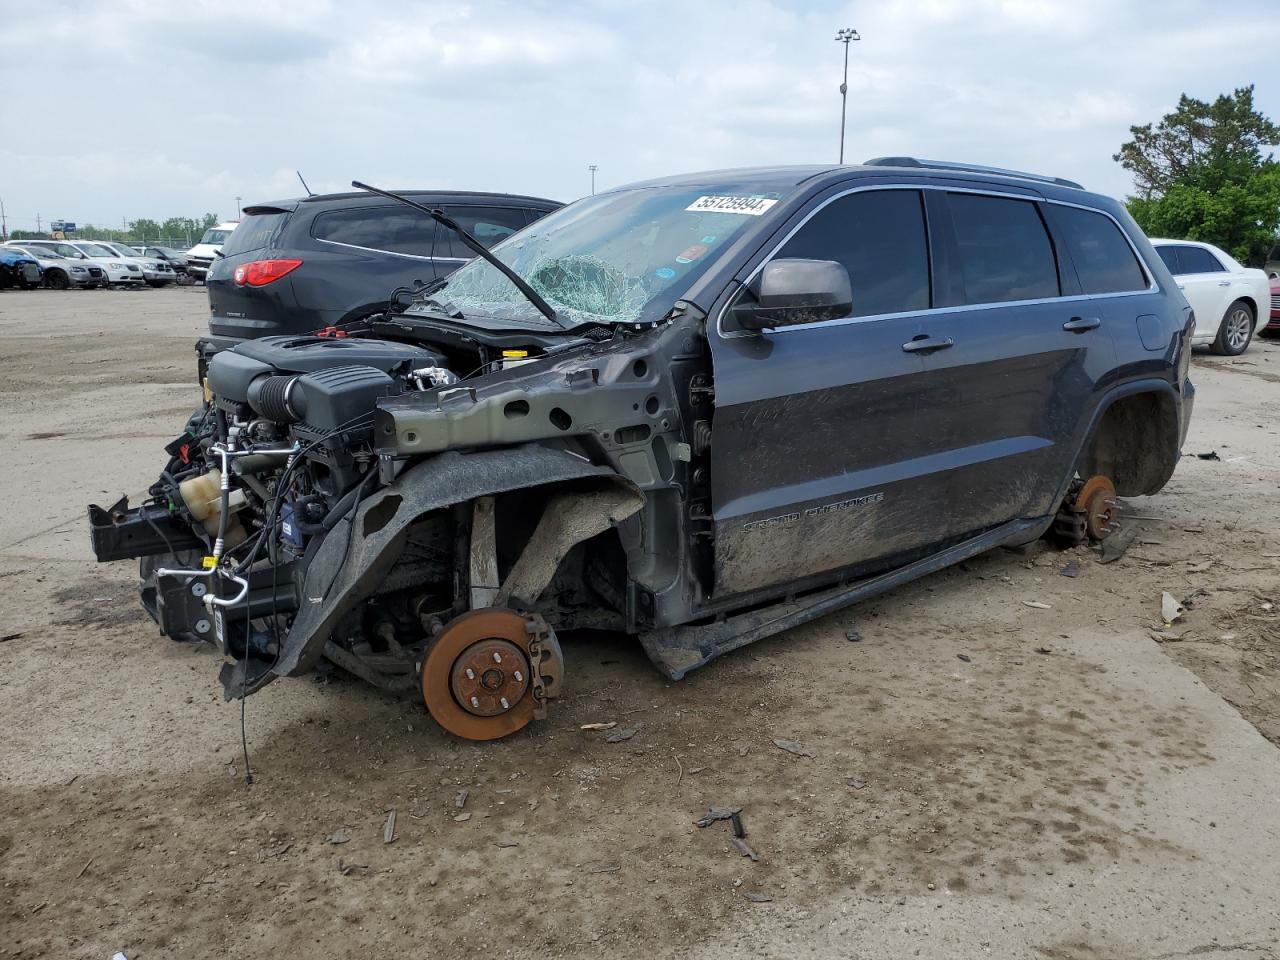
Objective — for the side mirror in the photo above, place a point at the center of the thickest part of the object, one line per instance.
(797, 291)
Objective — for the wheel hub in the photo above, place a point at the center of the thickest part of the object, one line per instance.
(489, 676)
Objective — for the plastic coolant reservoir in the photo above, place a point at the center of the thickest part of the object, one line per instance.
(203, 497)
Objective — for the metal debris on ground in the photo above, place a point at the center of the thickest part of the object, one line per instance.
(617, 736)
(793, 746)
(853, 636)
(856, 782)
(460, 800)
(606, 868)
(505, 844)
(965, 657)
(717, 813)
(341, 835)
(345, 868)
(758, 897)
(1211, 455)
(1072, 569)
(744, 749)
(1115, 546)
(389, 828)
(1043, 650)
(11, 636)
(735, 821)
(599, 726)
(743, 848)
(1036, 604)
(1170, 608)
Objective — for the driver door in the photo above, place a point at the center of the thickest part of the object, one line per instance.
(818, 452)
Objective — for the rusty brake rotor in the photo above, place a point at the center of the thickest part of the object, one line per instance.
(476, 676)
(1096, 501)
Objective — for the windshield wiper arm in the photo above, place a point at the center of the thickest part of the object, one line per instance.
(480, 250)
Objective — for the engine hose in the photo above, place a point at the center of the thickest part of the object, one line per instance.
(343, 506)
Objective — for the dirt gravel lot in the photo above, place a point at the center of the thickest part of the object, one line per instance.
(987, 778)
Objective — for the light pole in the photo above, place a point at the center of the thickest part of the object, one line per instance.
(4, 224)
(593, 168)
(237, 208)
(845, 35)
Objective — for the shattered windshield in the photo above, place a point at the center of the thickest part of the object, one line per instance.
(620, 257)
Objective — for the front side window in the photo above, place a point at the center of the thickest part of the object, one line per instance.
(879, 237)
(1104, 261)
(1199, 260)
(1005, 251)
(393, 228)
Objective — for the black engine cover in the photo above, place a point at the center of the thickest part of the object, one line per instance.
(231, 371)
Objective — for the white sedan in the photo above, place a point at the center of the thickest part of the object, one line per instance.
(1231, 302)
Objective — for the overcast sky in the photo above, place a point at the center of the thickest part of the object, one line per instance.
(157, 109)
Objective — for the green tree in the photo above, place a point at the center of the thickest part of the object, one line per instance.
(1202, 173)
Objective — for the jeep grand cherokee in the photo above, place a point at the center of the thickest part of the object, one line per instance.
(700, 410)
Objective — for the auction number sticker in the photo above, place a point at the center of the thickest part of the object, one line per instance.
(750, 206)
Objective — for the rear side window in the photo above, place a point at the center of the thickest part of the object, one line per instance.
(1104, 261)
(396, 229)
(253, 233)
(1198, 260)
(879, 236)
(1005, 251)
(489, 225)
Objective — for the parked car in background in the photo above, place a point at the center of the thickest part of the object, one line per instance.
(61, 273)
(1272, 266)
(1230, 300)
(155, 272)
(1273, 324)
(296, 266)
(177, 259)
(120, 271)
(206, 251)
(19, 269)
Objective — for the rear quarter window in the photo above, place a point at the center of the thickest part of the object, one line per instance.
(1104, 261)
(253, 233)
(1005, 251)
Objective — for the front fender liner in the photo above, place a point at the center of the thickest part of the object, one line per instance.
(336, 578)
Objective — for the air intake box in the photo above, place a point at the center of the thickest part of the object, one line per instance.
(332, 398)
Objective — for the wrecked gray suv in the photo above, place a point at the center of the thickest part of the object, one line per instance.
(700, 411)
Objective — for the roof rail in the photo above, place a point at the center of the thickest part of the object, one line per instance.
(967, 168)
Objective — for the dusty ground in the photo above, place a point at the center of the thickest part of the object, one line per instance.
(987, 778)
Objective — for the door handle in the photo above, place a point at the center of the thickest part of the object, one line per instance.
(1081, 324)
(923, 343)
(1224, 283)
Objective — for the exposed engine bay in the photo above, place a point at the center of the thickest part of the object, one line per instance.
(351, 501)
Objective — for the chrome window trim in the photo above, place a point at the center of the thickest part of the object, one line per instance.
(1152, 286)
(388, 253)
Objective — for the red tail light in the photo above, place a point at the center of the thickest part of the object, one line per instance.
(261, 272)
